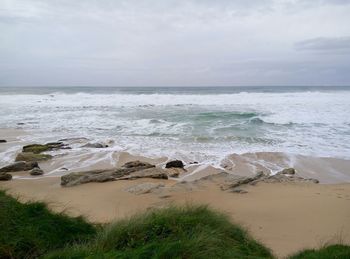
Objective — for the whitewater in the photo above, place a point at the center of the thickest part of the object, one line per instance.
(199, 124)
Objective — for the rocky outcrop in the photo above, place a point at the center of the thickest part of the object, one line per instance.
(38, 148)
(290, 171)
(242, 181)
(36, 171)
(95, 145)
(175, 164)
(137, 163)
(144, 188)
(285, 176)
(3, 141)
(19, 166)
(5, 177)
(143, 170)
(31, 157)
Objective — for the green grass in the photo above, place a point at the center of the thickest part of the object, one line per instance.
(176, 232)
(30, 231)
(329, 252)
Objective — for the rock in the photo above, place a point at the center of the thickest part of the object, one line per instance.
(175, 163)
(95, 145)
(175, 172)
(237, 190)
(38, 148)
(3, 141)
(241, 181)
(5, 177)
(19, 166)
(144, 188)
(156, 173)
(137, 163)
(30, 157)
(36, 171)
(290, 171)
(77, 178)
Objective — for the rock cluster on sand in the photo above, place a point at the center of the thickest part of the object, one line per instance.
(33, 152)
(20, 166)
(131, 170)
(285, 176)
(29, 156)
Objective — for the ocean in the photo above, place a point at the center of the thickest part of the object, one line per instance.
(203, 124)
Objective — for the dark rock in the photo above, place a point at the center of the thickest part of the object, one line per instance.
(5, 177)
(77, 178)
(3, 141)
(95, 145)
(175, 163)
(36, 171)
(19, 166)
(237, 190)
(30, 157)
(137, 163)
(38, 148)
(290, 171)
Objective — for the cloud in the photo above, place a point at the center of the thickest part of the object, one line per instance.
(324, 44)
(173, 42)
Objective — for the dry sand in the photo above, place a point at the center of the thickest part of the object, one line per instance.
(285, 217)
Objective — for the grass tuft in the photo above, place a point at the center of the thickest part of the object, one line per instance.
(30, 230)
(329, 252)
(176, 232)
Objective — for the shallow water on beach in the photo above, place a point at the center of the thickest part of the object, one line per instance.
(201, 124)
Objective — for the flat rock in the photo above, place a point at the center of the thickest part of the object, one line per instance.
(19, 166)
(137, 163)
(31, 157)
(237, 190)
(36, 171)
(39, 148)
(175, 163)
(241, 181)
(144, 188)
(5, 177)
(95, 145)
(3, 141)
(106, 175)
(290, 171)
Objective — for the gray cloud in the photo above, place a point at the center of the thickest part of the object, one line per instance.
(173, 42)
(324, 44)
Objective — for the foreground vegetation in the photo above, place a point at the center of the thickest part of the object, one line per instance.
(31, 231)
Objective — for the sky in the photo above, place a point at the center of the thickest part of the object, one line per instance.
(174, 42)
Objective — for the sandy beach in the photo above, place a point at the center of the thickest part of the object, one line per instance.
(286, 217)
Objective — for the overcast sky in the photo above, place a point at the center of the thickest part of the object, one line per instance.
(174, 42)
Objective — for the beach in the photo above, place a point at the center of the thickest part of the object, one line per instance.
(285, 216)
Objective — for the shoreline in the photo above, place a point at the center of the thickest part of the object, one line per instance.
(280, 215)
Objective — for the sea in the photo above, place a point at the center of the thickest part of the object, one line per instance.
(202, 124)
